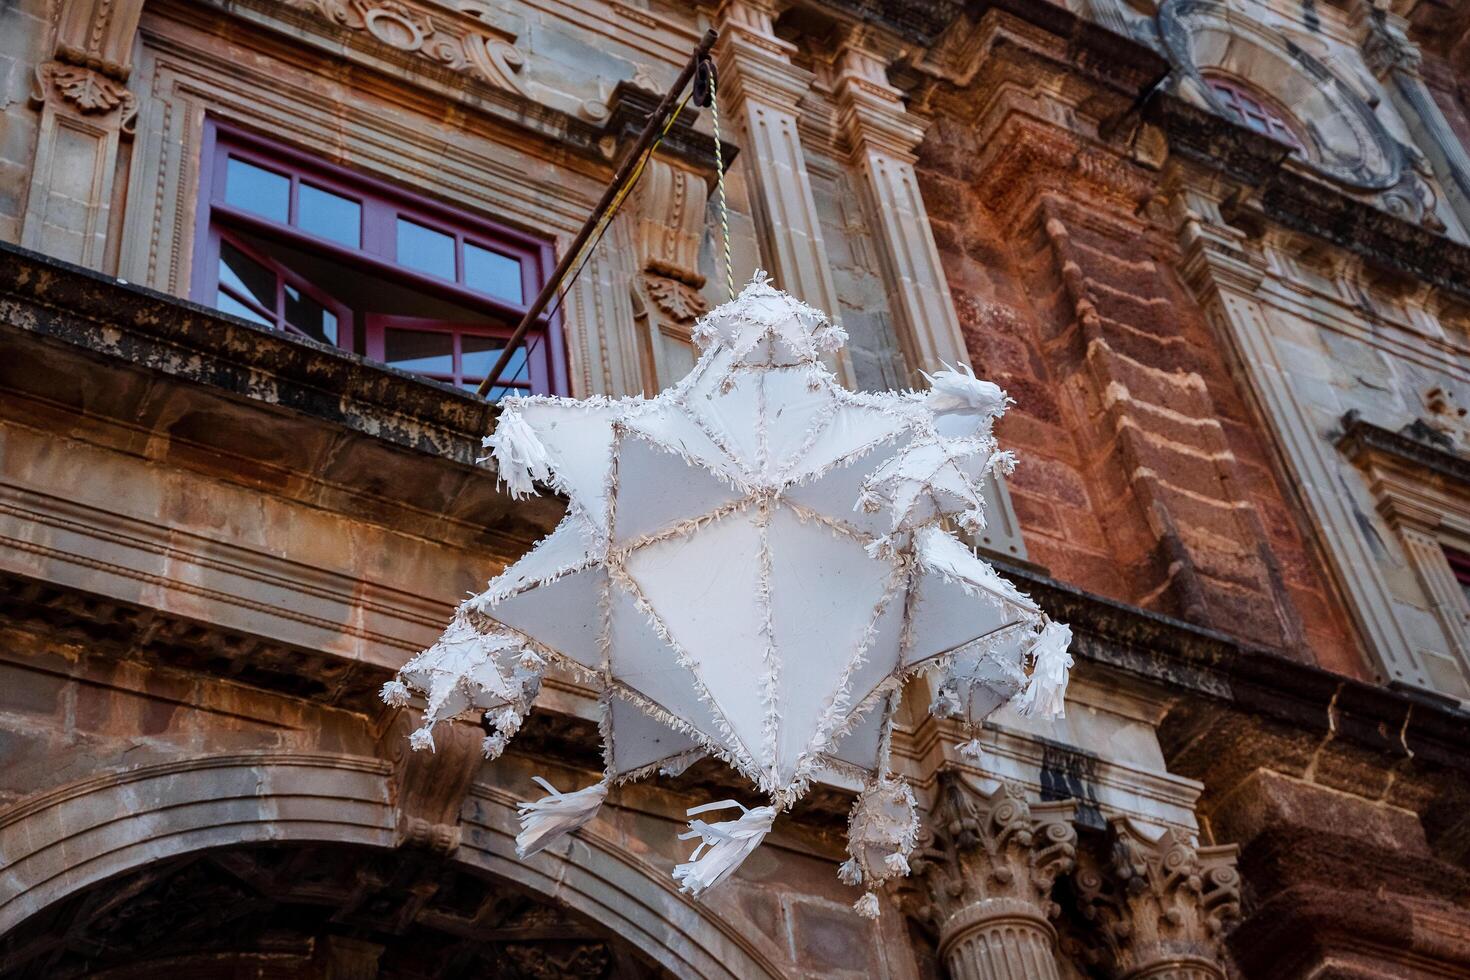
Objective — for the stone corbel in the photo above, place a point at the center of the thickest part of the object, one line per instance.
(1159, 903)
(986, 866)
(429, 788)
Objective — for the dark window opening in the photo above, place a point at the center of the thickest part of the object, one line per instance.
(321, 253)
(1460, 565)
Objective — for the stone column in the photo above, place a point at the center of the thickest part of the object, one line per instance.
(86, 111)
(1396, 61)
(987, 870)
(760, 93)
(1159, 903)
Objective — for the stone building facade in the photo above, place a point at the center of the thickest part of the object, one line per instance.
(1218, 253)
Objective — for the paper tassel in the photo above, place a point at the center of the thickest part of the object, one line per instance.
(551, 818)
(421, 739)
(961, 391)
(729, 841)
(971, 749)
(520, 458)
(394, 694)
(867, 906)
(849, 873)
(1045, 694)
(494, 745)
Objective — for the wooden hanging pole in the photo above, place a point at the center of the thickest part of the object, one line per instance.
(652, 130)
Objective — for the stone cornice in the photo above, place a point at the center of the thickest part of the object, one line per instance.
(91, 338)
(630, 108)
(1361, 439)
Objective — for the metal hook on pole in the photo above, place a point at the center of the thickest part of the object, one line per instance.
(631, 165)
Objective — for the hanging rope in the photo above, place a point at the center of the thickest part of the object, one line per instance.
(714, 109)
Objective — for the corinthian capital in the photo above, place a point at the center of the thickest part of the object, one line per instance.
(1159, 902)
(983, 847)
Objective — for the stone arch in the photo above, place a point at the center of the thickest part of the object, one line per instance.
(57, 843)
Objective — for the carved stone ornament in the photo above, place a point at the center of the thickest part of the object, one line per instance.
(988, 862)
(91, 92)
(680, 302)
(1348, 144)
(1159, 903)
(456, 41)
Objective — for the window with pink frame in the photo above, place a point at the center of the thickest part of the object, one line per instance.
(1250, 108)
(323, 253)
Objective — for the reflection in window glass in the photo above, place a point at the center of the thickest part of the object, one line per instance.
(478, 356)
(226, 303)
(425, 249)
(309, 316)
(423, 351)
(496, 393)
(258, 190)
(246, 276)
(329, 215)
(492, 273)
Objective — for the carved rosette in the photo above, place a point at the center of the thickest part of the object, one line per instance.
(987, 865)
(1159, 903)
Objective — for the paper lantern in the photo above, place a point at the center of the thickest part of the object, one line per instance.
(756, 559)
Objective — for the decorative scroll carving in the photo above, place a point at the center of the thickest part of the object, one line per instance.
(1160, 904)
(443, 38)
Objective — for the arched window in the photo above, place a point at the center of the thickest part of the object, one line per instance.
(1249, 108)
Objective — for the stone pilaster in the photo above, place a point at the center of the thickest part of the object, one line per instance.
(987, 867)
(667, 232)
(761, 91)
(1396, 61)
(1159, 904)
(882, 137)
(86, 113)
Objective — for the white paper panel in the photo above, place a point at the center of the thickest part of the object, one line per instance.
(944, 618)
(579, 442)
(639, 739)
(565, 615)
(643, 663)
(675, 430)
(836, 494)
(824, 590)
(657, 489)
(882, 657)
(853, 430)
(704, 592)
(732, 416)
(793, 410)
(859, 747)
(567, 546)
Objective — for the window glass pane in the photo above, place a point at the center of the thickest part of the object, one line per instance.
(496, 393)
(226, 303)
(492, 273)
(329, 215)
(479, 354)
(246, 276)
(417, 350)
(425, 249)
(256, 189)
(309, 316)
